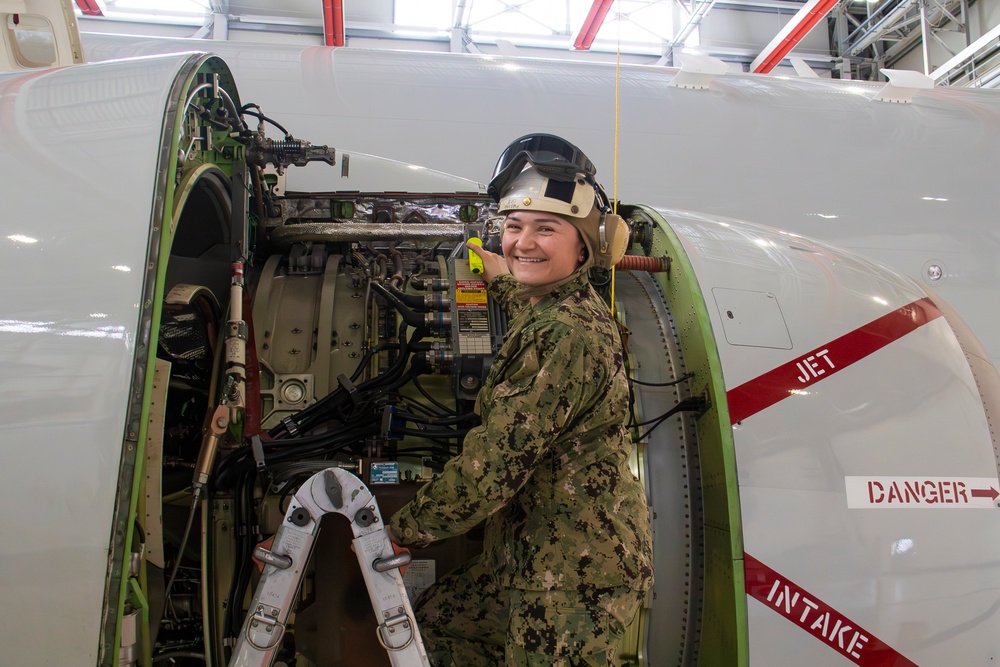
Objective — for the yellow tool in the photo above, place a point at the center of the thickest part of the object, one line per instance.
(475, 261)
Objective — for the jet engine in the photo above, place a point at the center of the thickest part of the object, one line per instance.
(201, 311)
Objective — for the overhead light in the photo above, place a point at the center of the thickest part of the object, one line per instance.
(21, 238)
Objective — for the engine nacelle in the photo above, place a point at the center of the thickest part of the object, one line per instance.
(814, 431)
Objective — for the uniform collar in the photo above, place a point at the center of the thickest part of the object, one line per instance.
(574, 282)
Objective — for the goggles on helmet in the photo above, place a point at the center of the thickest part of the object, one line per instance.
(551, 156)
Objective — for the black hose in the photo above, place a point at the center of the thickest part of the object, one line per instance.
(410, 317)
(261, 116)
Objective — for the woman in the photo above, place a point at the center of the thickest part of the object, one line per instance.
(567, 555)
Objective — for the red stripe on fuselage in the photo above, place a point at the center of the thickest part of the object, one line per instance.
(819, 619)
(765, 390)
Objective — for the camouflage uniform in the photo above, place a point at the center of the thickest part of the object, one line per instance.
(567, 552)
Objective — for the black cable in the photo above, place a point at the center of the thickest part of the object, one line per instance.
(419, 453)
(171, 655)
(286, 491)
(662, 384)
(408, 403)
(431, 435)
(261, 116)
(426, 394)
(233, 619)
(410, 317)
(690, 404)
(334, 403)
(458, 419)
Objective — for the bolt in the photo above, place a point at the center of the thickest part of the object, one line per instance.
(221, 422)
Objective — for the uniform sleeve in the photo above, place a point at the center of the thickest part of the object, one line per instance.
(502, 288)
(542, 390)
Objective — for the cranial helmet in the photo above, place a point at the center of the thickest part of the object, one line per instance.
(541, 172)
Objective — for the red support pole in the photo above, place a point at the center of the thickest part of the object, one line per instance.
(333, 22)
(806, 22)
(89, 7)
(592, 24)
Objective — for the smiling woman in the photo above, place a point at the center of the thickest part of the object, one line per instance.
(567, 556)
(541, 248)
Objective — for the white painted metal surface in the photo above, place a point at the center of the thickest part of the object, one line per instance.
(922, 579)
(910, 186)
(371, 173)
(79, 155)
(80, 148)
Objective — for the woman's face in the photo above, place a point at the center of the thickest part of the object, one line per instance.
(540, 248)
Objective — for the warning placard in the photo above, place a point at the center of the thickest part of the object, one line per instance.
(922, 492)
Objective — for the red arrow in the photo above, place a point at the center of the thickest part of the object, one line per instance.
(990, 493)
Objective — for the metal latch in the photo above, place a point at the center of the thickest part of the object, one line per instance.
(387, 633)
(264, 631)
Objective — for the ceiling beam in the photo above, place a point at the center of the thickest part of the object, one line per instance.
(793, 32)
(592, 24)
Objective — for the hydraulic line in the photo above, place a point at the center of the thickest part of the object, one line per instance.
(410, 317)
(228, 411)
(425, 302)
(643, 263)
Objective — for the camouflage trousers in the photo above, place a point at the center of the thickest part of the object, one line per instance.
(466, 620)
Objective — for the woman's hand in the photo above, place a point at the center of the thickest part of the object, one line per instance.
(493, 264)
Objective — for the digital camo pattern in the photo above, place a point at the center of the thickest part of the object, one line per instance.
(548, 467)
(466, 620)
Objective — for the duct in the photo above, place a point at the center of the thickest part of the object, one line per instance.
(363, 232)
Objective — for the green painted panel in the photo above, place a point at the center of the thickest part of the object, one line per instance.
(724, 639)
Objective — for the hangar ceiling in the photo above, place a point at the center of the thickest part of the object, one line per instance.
(842, 38)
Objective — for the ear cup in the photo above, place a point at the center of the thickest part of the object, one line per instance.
(614, 241)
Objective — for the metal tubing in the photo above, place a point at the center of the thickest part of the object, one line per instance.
(361, 232)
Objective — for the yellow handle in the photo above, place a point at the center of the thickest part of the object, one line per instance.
(475, 261)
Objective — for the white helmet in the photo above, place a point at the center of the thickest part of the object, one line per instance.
(580, 202)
